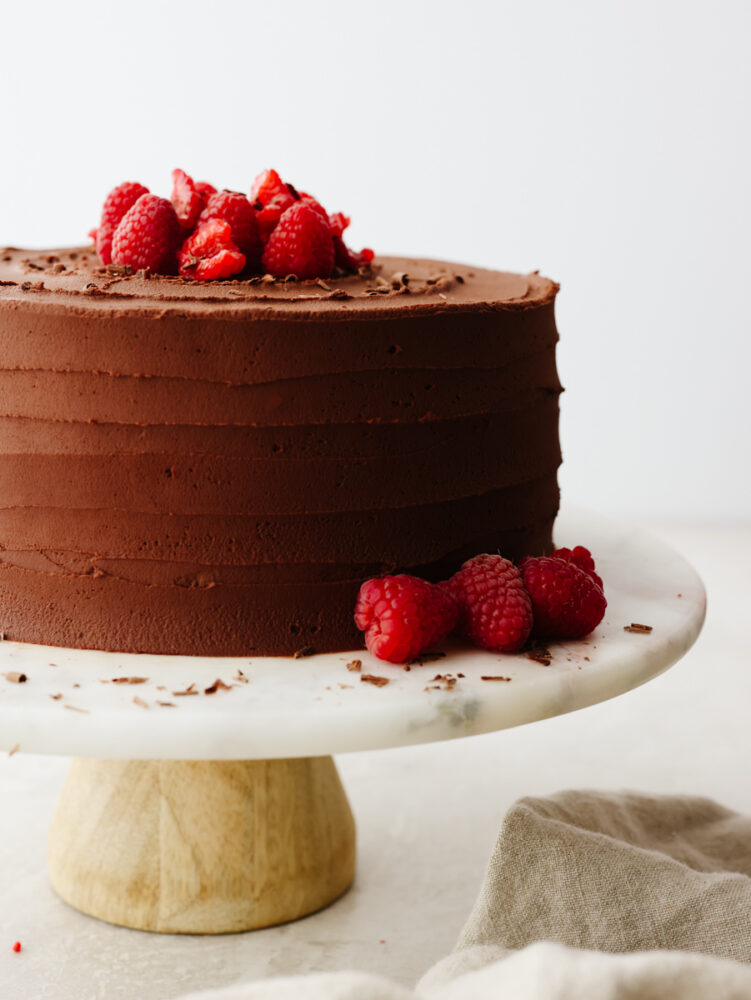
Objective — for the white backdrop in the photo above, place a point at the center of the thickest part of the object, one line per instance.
(605, 143)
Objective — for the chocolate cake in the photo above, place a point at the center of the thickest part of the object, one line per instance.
(214, 468)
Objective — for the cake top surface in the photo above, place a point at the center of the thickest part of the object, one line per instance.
(74, 278)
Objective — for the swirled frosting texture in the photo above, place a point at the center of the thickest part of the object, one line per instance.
(213, 469)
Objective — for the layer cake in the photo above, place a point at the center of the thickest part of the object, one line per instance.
(214, 468)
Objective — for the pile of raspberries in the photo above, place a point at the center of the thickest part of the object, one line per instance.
(205, 234)
(490, 601)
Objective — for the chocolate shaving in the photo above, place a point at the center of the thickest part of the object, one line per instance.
(322, 284)
(75, 708)
(374, 679)
(540, 654)
(140, 702)
(354, 664)
(119, 270)
(486, 678)
(218, 685)
(637, 628)
(167, 704)
(425, 658)
(129, 680)
(240, 677)
(448, 681)
(305, 651)
(14, 750)
(15, 678)
(459, 279)
(190, 689)
(56, 697)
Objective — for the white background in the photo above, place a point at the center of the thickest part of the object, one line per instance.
(605, 143)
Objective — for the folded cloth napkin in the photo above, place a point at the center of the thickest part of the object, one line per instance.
(619, 896)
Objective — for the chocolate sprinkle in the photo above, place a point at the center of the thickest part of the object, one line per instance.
(423, 658)
(374, 679)
(218, 685)
(540, 654)
(305, 651)
(637, 628)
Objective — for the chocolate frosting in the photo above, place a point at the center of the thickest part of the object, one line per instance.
(213, 468)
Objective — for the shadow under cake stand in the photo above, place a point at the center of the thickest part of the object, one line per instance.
(223, 810)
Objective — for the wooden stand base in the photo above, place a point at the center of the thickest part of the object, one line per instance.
(192, 847)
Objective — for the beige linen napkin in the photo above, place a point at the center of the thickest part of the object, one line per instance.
(574, 880)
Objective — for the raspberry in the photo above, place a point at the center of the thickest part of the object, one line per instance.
(271, 197)
(582, 558)
(210, 253)
(116, 204)
(301, 244)
(495, 609)
(338, 222)
(205, 190)
(241, 216)
(268, 215)
(346, 259)
(267, 186)
(308, 199)
(566, 601)
(147, 235)
(402, 616)
(186, 199)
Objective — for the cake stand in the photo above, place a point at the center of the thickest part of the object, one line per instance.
(203, 797)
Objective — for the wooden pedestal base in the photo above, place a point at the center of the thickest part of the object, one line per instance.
(192, 847)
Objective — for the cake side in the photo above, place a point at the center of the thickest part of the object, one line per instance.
(215, 468)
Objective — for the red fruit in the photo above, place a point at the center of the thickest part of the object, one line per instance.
(186, 200)
(582, 558)
(495, 609)
(205, 190)
(402, 616)
(147, 235)
(311, 202)
(267, 186)
(566, 601)
(301, 244)
(235, 209)
(269, 214)
(338, 222)
(116, 204)
(346, 259)
(210, 253)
